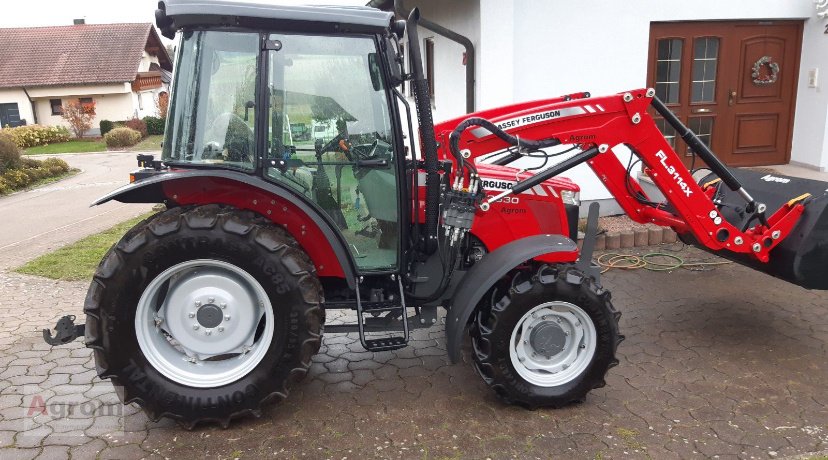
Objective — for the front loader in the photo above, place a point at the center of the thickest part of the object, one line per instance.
(214, 307)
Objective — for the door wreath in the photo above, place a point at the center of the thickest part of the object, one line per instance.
(770, 76)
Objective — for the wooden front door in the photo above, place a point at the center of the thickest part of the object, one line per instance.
(732, 83)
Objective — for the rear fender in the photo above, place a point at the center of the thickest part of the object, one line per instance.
(311, 227)
(483, 275)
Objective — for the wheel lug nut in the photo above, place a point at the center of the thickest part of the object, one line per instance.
(195, 327)
(227, 317)
(221, 329)
(223, 305)
(211, 300)
(197, 303)
(191, 315)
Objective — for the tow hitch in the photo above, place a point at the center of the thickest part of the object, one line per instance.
(65, 331)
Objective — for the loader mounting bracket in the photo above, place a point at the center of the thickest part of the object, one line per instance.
(65, 331)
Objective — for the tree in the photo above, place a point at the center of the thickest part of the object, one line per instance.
(79, 115)
(162, 103)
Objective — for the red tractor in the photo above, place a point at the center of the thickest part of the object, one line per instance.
(214, 307)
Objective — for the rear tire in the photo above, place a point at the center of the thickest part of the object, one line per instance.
(151, 338)
(548, 340)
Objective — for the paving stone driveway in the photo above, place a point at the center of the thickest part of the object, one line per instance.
(722, 364)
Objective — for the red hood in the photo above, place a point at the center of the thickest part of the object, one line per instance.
(508, 173)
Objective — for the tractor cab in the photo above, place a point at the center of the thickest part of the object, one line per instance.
(242, 82)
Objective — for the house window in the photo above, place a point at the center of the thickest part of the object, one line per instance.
(668, 69)
(57, 106)
(87, 100)
(429, 63)
(140, 102)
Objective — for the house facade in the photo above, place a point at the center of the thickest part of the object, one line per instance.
(123, 68)
(748, 76)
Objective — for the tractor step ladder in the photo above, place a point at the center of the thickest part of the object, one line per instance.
(384, 343)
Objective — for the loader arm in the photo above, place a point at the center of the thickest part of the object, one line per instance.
(603, 124)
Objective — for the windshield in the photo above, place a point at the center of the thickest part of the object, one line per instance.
(212, 108)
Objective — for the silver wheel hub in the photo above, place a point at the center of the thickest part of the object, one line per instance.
(553, 344)
(204, 323)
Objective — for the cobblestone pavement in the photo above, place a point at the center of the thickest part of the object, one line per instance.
(721, 364)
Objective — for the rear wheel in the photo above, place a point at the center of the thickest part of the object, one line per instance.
(204, 314)
(548, 339)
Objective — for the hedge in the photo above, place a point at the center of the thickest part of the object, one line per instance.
(34, 135)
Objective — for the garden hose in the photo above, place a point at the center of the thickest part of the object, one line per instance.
(653, 261)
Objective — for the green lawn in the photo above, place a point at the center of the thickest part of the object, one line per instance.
(73, 146)
(150, 143)
(78, 261)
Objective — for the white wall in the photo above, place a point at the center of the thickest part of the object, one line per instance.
(463, 16)
(113, 107)
(17, 96)
(146, 60)
(148, 101)
(810, 136)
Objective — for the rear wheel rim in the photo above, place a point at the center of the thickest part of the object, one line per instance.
(553, 344)
(204, 323)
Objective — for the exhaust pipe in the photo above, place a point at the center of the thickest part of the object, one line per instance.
(422, 102)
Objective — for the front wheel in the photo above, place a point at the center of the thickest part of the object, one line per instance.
(548, 339)
(204, 314)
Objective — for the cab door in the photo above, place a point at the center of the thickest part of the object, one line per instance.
(348, 165)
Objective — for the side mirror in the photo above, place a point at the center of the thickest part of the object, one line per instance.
(394, 61)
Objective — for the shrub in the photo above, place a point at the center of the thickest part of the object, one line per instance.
(79, 116)
(155, 125)
(29, 172)
(137, 125)
(17, 178)
(122, 137)
(106, 126)
(9, 153)
(34, 135)
(26, 162)
(55, 166)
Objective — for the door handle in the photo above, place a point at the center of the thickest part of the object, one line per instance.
(730, 95)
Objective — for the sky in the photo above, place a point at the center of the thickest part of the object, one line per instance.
(36, 13)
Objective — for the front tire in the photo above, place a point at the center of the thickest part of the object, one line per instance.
(548, 339)
(204, 314)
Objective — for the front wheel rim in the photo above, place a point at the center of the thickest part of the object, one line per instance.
(204, 323)
(553, 344)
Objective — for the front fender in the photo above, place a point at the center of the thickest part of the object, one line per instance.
(483, 274)
(312, 227)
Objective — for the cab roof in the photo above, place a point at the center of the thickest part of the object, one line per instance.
(360, 16)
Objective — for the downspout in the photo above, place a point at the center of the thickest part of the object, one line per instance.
(31, 102)
(401, 11)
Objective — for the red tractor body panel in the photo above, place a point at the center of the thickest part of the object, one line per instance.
(536, 211)
(216, 190)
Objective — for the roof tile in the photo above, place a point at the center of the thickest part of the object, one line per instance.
(78, 54)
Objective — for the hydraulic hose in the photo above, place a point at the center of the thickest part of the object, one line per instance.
(454, 138)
